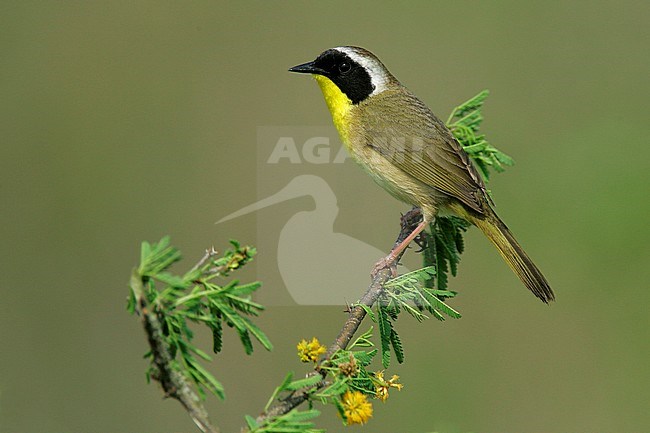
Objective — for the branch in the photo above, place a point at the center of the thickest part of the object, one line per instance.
(173, 382)
(210, 253)
(355, 316)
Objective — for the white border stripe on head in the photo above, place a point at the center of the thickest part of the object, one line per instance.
(377, 72)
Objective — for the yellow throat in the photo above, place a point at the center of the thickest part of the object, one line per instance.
(338, 103)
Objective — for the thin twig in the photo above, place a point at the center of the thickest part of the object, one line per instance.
(209, 253)
(172, 382)
(355, 317)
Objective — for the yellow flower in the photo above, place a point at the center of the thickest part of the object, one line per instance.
(310, 351)
(382, 385)
(356, 408)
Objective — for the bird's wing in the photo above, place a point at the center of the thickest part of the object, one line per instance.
(408, 134)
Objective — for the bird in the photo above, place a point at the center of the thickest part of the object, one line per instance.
(411, 153)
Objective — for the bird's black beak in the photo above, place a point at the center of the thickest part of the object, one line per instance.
(307, 68)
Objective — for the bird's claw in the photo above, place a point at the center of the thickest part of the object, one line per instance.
(384, 263)
(422, 240)
(411, 216)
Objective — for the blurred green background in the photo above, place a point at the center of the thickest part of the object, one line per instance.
(125, 121)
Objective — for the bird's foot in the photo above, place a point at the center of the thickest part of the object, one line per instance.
(411, 217)
(422, 240)
(387, 262)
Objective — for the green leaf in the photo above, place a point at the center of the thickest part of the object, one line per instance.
(365, 358)
(297, 417)
(337, 388)
(251, 422)
(503, 158)
(287, 380)
(412, 277)
(444, 247)
(436, 314)
(295, 421)
(444, 293)
(303, 383)
(279, 389)
(397, 346)
(204, 378)
(364, 340)
(172, 280)
(130, 302)
(145, 251)
(245, 339)
(201, 353)
(304, 415)
(157, 257)
(341, 410)
(464, 122)
(217, 336)
(439, 305)
(385, 331)
(247, 289)
(472, 104)
(229, 314)
(412, 311)
(258, 334)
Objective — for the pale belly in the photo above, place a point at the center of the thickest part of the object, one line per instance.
(397, 183)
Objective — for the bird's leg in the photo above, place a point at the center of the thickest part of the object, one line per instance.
(390, 260)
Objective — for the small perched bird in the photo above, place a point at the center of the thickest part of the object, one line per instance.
(411, 153)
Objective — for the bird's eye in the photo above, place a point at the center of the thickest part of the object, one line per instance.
(344, 67)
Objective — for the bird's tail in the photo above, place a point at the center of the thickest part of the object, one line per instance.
(514, 255)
